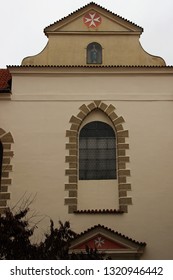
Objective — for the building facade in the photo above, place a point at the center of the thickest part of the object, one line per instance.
(86, 131)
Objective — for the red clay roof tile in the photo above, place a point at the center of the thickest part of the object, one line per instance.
(5, 77)
(112, 231)
(99, 211)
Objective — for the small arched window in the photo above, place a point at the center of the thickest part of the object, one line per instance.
(97, 153)
(1, 157)
(94, 53)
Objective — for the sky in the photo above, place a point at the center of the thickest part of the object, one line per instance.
(22, 23)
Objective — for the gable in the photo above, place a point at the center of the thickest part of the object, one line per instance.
(107, 241)
(100, 242)
(92, 18)
(69, 37)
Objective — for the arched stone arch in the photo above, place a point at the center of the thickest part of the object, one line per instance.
(122, 158)
(6, 140)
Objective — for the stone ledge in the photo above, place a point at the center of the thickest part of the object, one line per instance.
(99, 211)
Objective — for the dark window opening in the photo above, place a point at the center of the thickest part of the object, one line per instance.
(94, 53)
(97, 153)
(1, 157)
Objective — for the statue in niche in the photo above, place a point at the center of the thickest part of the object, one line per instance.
(94, 54)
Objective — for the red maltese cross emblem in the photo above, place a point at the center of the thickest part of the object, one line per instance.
(92, 19)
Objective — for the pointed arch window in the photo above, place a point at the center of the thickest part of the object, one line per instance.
(94, 53)
(1, 157)
(97, 153)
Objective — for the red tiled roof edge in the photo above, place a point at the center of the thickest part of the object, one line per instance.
(5, 78)
(112, 231)
(90, 66)
(99, 211)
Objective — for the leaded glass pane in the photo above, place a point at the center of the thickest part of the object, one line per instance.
(97, 155)
(101, 143)
(83, 143)
(91, 143)
(111, 143)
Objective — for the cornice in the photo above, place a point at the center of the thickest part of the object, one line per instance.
(90, 69)
(54, 33)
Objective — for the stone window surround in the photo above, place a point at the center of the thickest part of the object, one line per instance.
(72, 159)
(6, 140)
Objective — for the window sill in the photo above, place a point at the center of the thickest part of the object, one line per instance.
(99, 211)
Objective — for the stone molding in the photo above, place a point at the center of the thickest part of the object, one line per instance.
(6, 139)
(123, 173)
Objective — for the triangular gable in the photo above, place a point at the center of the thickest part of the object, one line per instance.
(92, 17)
(100, 242)
(107, 241)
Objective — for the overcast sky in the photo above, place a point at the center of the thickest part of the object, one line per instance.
(22, 23)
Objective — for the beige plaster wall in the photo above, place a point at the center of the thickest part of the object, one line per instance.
(38, 116)
(91, 86)
(98, 194)
(108, 23)
(65, 49)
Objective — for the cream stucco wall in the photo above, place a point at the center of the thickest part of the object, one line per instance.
(38, 116)
(98, 194)
(117, 50)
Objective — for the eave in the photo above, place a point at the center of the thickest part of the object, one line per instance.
(91, 69)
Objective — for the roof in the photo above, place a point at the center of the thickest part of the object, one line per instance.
(111, 231)
(85, 69)
(5, 80)
(96, 6)
(109, 242)
(91, 66)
